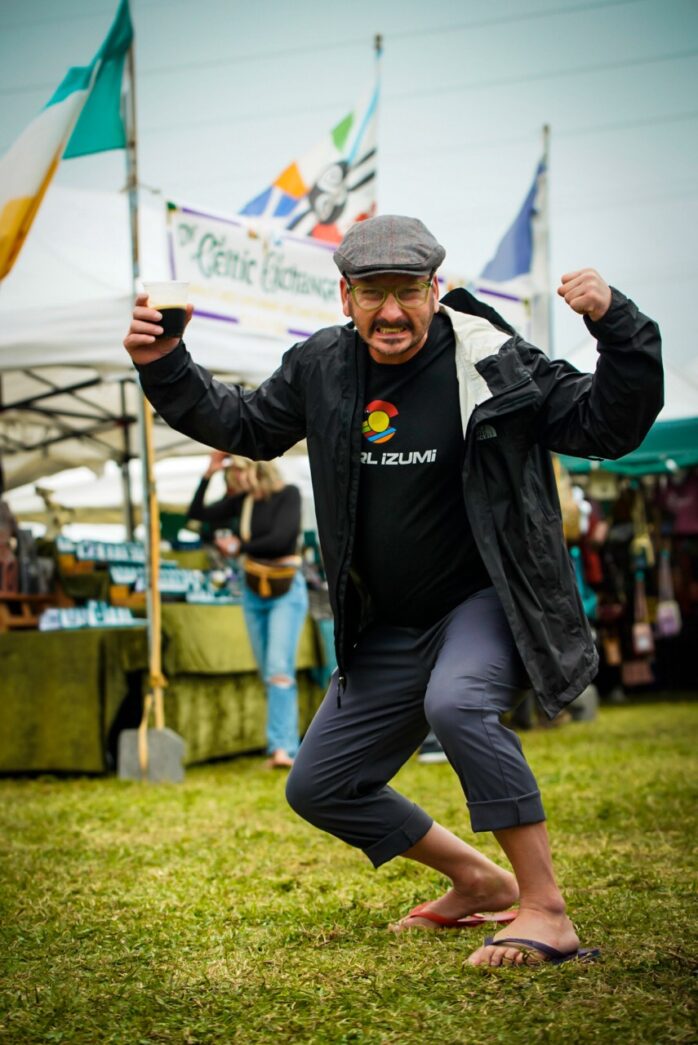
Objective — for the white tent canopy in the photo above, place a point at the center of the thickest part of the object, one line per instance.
(67, 391)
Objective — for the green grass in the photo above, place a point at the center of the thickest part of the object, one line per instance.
(208, 913)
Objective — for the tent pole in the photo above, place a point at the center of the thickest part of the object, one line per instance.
(151, 519)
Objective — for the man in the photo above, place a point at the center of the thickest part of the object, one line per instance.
(429, 428)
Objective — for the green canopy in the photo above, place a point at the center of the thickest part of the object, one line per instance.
(667, 446)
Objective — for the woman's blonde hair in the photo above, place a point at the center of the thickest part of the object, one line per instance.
(266, 478)
(263, 477)
(236, 464)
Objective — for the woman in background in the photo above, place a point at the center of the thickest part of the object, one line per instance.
(274, 595)
(224, 513)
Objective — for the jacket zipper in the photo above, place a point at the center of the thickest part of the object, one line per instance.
(493, 412)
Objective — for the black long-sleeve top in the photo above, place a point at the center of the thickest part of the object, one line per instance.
(274, 525)
(225, 512)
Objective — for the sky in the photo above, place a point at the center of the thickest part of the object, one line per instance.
(230, 92)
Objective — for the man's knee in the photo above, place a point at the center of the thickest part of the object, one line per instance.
(313, 795)
(304, 797)
(299, 792)
(441, 707)
(465, 704)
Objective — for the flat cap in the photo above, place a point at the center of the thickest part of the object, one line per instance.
(388, 243)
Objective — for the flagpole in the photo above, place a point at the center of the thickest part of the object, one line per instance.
(151, 519)
(378, 51)
(541, 305)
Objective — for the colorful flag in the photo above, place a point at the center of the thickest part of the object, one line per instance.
(83, 116)
(331, 186)
(519, 270)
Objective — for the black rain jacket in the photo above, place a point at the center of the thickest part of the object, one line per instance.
(517, 405)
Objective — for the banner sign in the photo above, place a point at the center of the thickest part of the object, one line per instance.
(275, 284)
(266, 283)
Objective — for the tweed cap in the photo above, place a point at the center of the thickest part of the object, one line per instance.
(388, 243)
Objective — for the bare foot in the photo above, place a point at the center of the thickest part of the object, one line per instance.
(280, 759)
(495, 892)
(551, 927)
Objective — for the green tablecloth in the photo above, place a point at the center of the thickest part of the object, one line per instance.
(60, 692)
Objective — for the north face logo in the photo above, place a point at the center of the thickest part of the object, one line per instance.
(486, 432)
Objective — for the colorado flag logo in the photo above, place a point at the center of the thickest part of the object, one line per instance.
(377, 417)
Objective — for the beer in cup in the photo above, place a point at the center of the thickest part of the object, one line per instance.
(169, 297)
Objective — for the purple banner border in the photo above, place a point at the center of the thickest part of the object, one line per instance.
(215, 315)
(304, 241)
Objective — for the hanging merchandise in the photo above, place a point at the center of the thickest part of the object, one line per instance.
(610, 643)
(641, 545)
(592, 544)
(602, 486)
(638, 672)
(613, 603)
(643, 641)
(611, 610)
(569, 507)
(668, 622)
(681, 499)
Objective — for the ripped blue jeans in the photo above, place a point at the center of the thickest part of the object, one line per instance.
(274, 627)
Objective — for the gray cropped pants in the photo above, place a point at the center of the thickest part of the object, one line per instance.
(457, 678)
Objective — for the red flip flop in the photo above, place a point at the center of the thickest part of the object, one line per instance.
(470, 921)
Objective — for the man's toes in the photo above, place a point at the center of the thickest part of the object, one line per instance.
(501, 956)
(481, 956)
(496, 957)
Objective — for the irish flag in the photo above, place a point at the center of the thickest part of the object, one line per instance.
(83, 116)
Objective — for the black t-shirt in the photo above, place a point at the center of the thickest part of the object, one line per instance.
(415, 551)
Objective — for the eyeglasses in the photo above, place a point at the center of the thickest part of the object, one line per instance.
(372, 298)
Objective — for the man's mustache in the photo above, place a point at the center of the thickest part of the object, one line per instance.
(392, 326)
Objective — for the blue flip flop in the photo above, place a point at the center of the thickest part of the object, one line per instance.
(552, 955)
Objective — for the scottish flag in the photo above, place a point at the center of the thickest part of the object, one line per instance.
(514, 255)
(516, 281)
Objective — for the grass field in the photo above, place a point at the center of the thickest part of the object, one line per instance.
(208, 913)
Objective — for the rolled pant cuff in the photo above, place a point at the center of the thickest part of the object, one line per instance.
(506, 812)
(404, 837)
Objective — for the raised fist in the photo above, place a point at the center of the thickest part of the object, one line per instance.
(586, 292)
